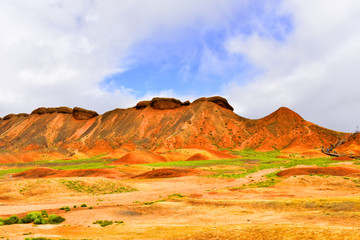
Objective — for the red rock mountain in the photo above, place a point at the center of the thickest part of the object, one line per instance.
(206, 123)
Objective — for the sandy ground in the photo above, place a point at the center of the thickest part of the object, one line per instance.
(299, 207)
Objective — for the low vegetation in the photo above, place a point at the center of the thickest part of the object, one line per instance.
(250, 162)
(101, 186)
(33, 217)
(104, 223)
(61, 164)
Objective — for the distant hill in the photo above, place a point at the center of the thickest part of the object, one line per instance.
(206, 123)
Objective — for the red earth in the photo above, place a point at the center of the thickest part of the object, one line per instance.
(333, 171)
(53, 173)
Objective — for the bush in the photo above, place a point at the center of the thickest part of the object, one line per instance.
(83, 205)
(35, 217)
(55, 219)
(12, 220)
(103, 223)
(44, 214)
(40, 220)
(67, 208)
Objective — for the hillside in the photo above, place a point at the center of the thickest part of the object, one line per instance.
(206, 123)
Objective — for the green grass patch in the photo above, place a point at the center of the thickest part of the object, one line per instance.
(85, 166)
(87, 163)
(268, 164)
(195, 164)
(251, 162)
(262, 184)
(98, 187)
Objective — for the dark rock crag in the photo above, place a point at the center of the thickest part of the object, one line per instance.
(83, 114)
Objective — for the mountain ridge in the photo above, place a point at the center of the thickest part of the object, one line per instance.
(206, 123)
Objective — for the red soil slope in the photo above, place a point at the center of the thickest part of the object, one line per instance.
(333, 171)
(168, 173)
(203, 124)
(198, 156)
(139, 157)
(48, 172)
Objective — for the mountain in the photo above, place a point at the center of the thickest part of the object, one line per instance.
(166, 123)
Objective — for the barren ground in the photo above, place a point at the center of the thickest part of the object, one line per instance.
(188, 207)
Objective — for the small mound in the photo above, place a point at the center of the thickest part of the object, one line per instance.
(139, 157)
(221, 154)
(313, 154)
(342, 159)
(48, 172)
(168, 173)
(37, 173)
(198, 156)
(333, 171)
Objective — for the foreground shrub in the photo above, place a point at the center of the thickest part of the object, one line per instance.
(11, 220)
(55, 219)
(35, 217)
(103, 223)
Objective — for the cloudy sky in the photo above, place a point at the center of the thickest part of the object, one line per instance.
(259, 54)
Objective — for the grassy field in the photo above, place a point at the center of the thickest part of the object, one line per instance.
(60, 164)
(249, 161)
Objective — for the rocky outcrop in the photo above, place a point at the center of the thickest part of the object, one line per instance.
(7, 117)
(186, 103)
(165, 103)
(83, 114)
(142, 104)
(162, 103)
(22, 115)
(65, 110)
(43, 110)
(222, 102)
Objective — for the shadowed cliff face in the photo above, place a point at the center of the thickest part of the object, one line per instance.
(201, 124)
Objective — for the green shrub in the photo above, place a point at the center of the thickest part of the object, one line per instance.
(12, 220)
(40, 220)
(67, 208)
(83, 205)
(35, 217)
(103, 223)
(55, 219)
(44, 214)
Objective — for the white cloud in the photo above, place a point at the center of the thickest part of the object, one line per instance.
(56, 52)
(313, 71)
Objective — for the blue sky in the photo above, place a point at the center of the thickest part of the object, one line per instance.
(260, 55)
(193, 59)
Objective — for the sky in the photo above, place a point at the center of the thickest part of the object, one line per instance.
(259, 54)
